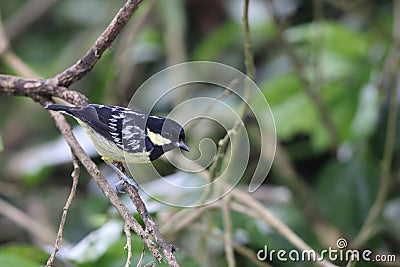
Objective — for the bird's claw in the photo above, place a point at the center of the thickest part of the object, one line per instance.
(120, 186)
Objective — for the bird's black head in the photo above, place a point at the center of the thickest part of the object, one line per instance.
(163, 135)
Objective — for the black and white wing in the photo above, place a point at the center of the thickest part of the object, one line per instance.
(124, 127)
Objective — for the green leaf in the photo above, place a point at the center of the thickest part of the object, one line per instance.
(366, 115)
(22, 255)
(1, 144)
(343, 70)
(217, 41)
(334, 36)
(293, 111)
(340, 101)
(16, 261)
(294, 115)
(281, 87)
(95, 244)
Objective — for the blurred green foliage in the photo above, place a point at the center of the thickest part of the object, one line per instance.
(21, 255)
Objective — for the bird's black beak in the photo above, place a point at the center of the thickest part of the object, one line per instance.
(183, 146)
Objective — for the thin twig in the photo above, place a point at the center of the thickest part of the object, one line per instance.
(249, 253)
(151, 227)
(17, 86)
(246, 204)
(260, 212)
(351, 263)
(202, 244)
(369, 227)
(123, 67)
(182, 219)
(94, 172)
(246, 252)
(268, 217)
(248, 59)
(317, 79)
(57, 85)
(174, 24)
(248, 50)
(75, 178)
(210, 106)
(84, 65)
(314, 96)
(31, 225)
(251, 207)
(128, 245)
(226, 218)
(224, 142)
(303, 193)
(42, 90)
(222, 146)
(140, 259)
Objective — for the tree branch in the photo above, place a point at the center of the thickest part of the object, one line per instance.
(42, 90)
(151, 227)
(16, 86)
(75, 177)
(369, 226)
(128, 245)
(298, 67)
(57, 85)
(228, 242)
(84, 65)
(267, 216)
(26, 222)
(94, 172)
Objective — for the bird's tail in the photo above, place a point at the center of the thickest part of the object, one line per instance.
(62, 108)
(86, 114)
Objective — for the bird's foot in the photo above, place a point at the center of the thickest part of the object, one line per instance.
(119, 186)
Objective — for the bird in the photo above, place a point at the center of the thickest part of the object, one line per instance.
(125, 135)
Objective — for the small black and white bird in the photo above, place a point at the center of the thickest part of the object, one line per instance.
(126, 135)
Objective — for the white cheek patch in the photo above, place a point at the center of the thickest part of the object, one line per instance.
(157, 139)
